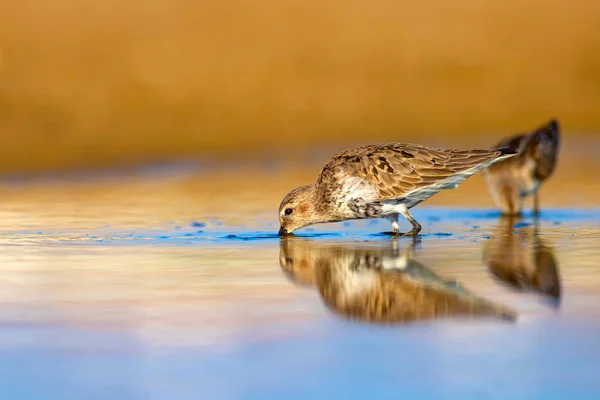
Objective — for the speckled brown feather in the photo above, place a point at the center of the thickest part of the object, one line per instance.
(397, 169)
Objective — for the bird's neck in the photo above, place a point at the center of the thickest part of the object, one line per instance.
(315, 205)
(321, 205)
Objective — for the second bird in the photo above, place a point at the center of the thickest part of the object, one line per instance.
(381, 181)
(513, 180)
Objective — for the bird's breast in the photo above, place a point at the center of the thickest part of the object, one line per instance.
(351, 197)
(529, 183)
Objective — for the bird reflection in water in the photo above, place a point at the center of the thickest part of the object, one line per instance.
(379, 283)
(521, 259)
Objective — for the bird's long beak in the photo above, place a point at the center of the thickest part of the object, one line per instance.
(282, 231)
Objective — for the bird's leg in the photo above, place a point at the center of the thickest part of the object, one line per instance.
(394, 220)
(395, 226)
(536, 204)
(509, 200)
(416, 226)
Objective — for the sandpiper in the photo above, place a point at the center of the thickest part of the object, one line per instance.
(511, 181)
(381, 181)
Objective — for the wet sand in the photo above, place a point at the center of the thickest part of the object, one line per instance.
(170, 283)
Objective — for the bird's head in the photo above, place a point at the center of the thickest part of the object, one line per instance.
(297, 209)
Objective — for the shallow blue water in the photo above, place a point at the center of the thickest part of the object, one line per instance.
(204, 311)
(438, 222)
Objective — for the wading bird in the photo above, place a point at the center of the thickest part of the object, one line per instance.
(381, 181)
(512, 180)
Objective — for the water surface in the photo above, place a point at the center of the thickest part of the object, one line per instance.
(178, 287)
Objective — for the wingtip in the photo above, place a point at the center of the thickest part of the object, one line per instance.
(507, 150)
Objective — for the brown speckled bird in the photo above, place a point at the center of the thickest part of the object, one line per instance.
(381, 181)
(511, 181)
(378, 283)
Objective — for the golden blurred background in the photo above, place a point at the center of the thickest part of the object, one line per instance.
(87, 83)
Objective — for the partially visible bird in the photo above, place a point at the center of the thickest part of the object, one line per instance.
(381, 181)
(512, 180)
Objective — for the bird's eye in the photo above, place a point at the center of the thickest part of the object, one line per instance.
(288, 211)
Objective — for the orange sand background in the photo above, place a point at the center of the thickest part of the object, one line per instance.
(87, 83)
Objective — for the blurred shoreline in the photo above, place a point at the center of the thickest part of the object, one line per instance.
(304, 161)
(237, 191)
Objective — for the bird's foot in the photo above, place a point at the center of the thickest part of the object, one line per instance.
(413, 232)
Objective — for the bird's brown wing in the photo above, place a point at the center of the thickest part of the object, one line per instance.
(396, 169)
